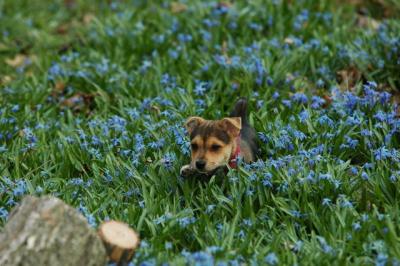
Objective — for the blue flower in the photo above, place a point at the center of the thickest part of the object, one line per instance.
(201, 258)
(3, 213)
(296, 214)
(287, 103)
(364, 217)
(356, 226)
(364, 176)
(300, 98)
(186, 221)
(20, 188)
(381, 259)
(325, 120)
(354, 170)
(107, 176)
(76, 181)
(15, 108)
(304, 115)
(346, 204)
(382, 153)
(271, 259)
(200, 88)
(267, 180)
(247, 222)
(298, 246)
(326, 202)
(168, 245)
(326, 248)
(210, 208)
(168, 160)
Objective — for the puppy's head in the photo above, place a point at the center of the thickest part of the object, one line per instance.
(212, 141)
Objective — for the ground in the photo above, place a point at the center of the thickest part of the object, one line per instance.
(94, 96)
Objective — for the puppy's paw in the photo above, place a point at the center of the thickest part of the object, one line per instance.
(186, 170)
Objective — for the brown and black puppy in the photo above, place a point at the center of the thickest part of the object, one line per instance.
(218, 143)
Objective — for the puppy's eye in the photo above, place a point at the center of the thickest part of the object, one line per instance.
(215, 147)
(194, 146)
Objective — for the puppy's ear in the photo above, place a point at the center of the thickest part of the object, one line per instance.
(232, 125)
(193, 122)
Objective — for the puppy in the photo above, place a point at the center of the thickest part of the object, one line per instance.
(217, 144)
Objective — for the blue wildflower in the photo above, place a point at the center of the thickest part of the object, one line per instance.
(300, 98)
(381, 259)
(186, 221)
(271, 259)
(326, 202)
(3, 213)
(304, 115)
(20, 188)
(267, 180)
(356, 226)
(364, 176)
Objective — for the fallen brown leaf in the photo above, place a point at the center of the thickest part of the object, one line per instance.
(328, 100)
(288, 40)
(79, 102)
(62, 29)
(156, 109)
(59, 86)
(69, 3)
(367, 22)
(87, 18)
(177, 7)
(6, 79)
(225, 4)
(348, 78)
(17, 61)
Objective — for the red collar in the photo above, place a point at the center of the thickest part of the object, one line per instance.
(235, 155)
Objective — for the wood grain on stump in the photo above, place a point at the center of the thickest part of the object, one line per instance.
(46, 231)
(120, 241)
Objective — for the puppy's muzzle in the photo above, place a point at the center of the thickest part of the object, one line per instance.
(200, 164)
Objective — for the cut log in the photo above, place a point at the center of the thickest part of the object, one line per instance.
(46, 231)
(120, 241)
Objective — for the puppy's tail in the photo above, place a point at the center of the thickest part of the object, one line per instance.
(240, 110)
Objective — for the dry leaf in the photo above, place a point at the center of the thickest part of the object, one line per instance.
(328, 100)
(69, 3)
(6, 79)
(87, 18)
(367, 22)
(156, 109)
(289, 40)
(79, 102)
(59, 86)
(17, 61)
(348, 78)
(63, 29)
(177, 7)
(225, 4)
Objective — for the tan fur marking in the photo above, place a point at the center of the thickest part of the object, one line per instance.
(232, 125)
(193, 122)
(213, 158)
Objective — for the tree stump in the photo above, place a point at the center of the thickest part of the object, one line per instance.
(46, 231)
(120, 241)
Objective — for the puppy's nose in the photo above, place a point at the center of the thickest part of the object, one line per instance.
(200, 164)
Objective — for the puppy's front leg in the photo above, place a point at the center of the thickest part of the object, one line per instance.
(187, 170)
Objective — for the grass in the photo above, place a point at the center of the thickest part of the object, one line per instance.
(94, 96)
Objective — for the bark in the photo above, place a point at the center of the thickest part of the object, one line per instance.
(120, 241)
(46, 231)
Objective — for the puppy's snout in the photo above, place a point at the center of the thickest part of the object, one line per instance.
(200, 164)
